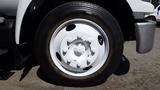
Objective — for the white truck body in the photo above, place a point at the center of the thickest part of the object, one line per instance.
(9, 7)
(18, 8)
(141, 6)
(136, 5)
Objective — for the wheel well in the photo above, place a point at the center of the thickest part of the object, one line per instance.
(122, 12)
(118, 8)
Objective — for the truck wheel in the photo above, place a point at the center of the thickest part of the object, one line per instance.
(152, 18)
(78, 44)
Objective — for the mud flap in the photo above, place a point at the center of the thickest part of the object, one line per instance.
(123, 67)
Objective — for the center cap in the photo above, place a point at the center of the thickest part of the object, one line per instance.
(79, 50)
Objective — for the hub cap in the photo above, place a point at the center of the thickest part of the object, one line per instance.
(79, 47)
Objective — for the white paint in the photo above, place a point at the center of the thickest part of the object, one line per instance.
(141, 6)
(22, 7)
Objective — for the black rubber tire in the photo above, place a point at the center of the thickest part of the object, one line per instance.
(66, 12)
(158, 24)
(123, 67)
(152, 18)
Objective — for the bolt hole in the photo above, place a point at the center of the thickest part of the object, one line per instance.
(64, 53)
(87, 68)
(100, 40)
(68, 62)
(88, 62)
(70, 27)
(78, 66)
(58, 56)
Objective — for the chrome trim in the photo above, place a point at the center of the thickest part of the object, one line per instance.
(145, 32)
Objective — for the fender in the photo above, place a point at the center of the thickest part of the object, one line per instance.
(22, 7)
(25, 7)
(141, 6)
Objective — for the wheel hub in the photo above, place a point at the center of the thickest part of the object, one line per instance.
(78, 53)
(79, 47)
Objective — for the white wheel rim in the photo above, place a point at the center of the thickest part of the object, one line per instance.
(79, 47)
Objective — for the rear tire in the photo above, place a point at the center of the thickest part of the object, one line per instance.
(152, 18)
(97, 21)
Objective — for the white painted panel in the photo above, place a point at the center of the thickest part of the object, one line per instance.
(141, 6)
(22, 7)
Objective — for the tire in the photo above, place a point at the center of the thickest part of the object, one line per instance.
(152, 18)
(123, 67)
(158, 24)
(55, 53)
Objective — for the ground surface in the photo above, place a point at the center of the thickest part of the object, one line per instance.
(144, 74)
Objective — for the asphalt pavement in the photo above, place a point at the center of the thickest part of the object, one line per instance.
(144, 74)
